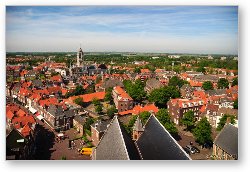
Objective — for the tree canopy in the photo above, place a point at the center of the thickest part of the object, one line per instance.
(162, 95)
(236, 104)
(223, 121)
(235, 82)
(144, 116)
(79, 101)
(188, 120)
(223, 83)
(165, 119)
(111, 111)
(135, 90)
(207, 85)
(176, 82)
(203, 131)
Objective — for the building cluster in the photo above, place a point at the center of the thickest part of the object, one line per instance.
(46, 92)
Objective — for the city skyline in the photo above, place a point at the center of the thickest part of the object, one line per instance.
(162, 29)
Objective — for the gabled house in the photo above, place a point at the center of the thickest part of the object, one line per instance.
(152, 84)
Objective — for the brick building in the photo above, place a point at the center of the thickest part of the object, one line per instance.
(122, 100)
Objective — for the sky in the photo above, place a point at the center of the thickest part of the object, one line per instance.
(160, 29)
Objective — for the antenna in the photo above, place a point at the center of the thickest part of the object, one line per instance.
(80, 45)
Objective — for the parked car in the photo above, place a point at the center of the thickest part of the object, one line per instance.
(186, 150)
(192, 149)
(196, 149)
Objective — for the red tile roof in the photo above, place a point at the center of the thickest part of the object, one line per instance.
(26, 130)
(138, 109)
(145, 71)
(195, 83)
(9, 114)
(56, 78)
(88, 97)
(21, 113)
(122, 93)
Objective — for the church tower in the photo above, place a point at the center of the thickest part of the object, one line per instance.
(137, 129)
(79, 59)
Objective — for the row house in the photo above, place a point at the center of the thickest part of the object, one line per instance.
(122, 100)
(59, 117)
(177, 107)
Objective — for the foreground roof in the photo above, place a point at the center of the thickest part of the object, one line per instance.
(156, 143)
(115, 144)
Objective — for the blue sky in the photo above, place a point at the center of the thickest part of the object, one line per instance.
(173, 29)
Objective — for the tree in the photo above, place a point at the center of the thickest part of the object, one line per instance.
(96, 102)
(79, 90)
(137, 70)
(144, 116)
(111, 111)
(235, 82)
(224, 119)
(98, 79)
(79, 101)
(108, 95)
(162, 95)
(165, 120)
(135, 90)
(176, 82)
(202, 132)
(131, 123)
(98, 109)
(201, 69)
(236, 104)
(207, 85)
(88, 122)
(188, 120)
(223, 83)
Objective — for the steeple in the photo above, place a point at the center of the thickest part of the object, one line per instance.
(137, 129)
(79, 59)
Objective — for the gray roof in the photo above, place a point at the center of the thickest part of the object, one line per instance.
(115, 144)
(156, 143)
(37, 83)
(100, 125)
(212, 78)
(57, 111)
(80, 119)
(138, 126)
(112, 83)
(227, 139)
(154, 83)
(216, 92)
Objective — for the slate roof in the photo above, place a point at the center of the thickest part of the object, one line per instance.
(216, 92)
(154, 83)
(101, 126)
(227, 139)
(112, 83)
(156, 143)
(115, 144)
